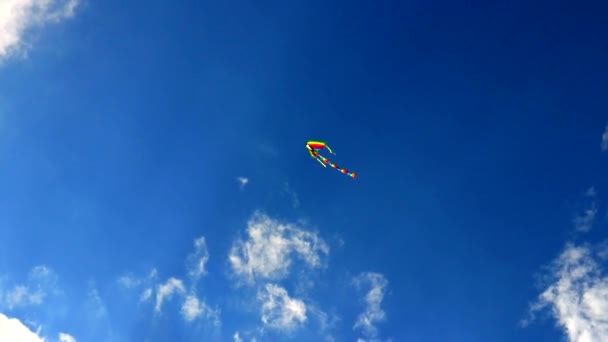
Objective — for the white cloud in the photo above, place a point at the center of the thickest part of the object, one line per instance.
(129, 281)
(604, 144)
(584, 222)
(279, 311)
(194, 308)
(237, 338)
(95, 304)
(166, 290)
(145, 295)
(198, 259)
(63, 337)
(242, 181)
(373, 312)
(11, 329)
(577, 296)
(267, 253)
(18, 16)
(22, 296)
(40, 281)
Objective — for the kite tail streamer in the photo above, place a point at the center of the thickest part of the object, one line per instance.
(344, 171)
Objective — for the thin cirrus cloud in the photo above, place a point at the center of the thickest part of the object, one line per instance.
(17, 17)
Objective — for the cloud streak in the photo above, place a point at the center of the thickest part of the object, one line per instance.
(19, 16)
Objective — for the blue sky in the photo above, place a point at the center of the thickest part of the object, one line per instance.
(155, 185)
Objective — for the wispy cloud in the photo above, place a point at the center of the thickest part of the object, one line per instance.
(577, 295)
(129, 281)
(198, 259)
(237, 337)
(40, 281)
(584, 222)
(194, 308)
(604, 143)
(279, 311)
(242, 181)
(166, 291)
(95, 305)
(267, 253)
(373, 313)
(19, 16)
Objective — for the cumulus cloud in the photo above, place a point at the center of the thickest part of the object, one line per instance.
(166, 291)
(18, 16)
(268, 251)
(198, 259)
(604, 143)
(577, 295)
(373, 313)
(11, 329)
(242, 181)
(279, 311)
(63, 337)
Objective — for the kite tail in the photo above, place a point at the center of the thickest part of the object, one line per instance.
(329, 149)
(344, 171)
(320, 162)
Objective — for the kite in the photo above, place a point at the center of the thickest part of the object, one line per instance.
(313, 146)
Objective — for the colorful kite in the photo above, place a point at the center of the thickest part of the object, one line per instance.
(314, 146)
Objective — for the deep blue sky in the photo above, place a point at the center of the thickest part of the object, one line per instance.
(474, 128)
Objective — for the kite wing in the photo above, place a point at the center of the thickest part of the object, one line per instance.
(314, 146)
